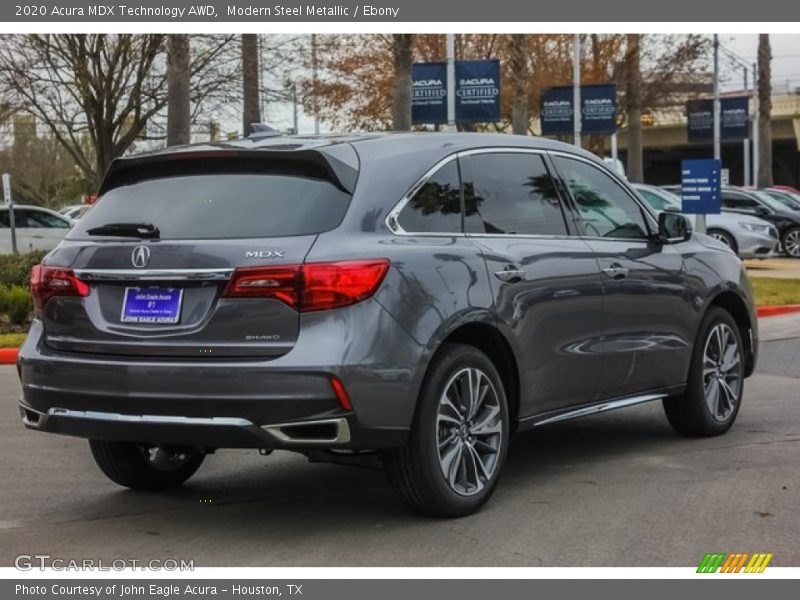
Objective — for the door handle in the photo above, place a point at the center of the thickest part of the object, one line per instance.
(510, 274)
(616, 271)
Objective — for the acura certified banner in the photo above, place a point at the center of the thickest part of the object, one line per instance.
(598, 110)
(734, 119)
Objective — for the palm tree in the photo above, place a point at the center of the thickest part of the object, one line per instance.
(633, 98)
(519, 70)
(251, 111)
(765, 111)
(401, 90)
(178, 80)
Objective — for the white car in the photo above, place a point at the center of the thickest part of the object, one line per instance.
(37, 228)
(75, 211)
(747, 236)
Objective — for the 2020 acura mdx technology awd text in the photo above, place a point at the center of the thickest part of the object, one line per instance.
(416, 298)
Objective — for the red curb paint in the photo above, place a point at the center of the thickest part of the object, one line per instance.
(8, 356)
(774, 311)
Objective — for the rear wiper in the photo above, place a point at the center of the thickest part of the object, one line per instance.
(140, 230)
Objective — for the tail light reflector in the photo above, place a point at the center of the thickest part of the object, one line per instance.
(311, 286)
(47, 282)
(341, 394)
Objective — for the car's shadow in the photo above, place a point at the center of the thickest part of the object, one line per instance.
(288, 490)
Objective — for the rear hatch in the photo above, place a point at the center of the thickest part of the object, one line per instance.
(154, 261)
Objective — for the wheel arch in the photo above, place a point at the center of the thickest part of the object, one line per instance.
(735, 306)
(489, 339)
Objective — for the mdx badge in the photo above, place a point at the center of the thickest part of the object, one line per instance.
(140, 257)
(264, 253)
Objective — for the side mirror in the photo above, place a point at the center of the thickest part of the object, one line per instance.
(761, 211)
(673, 228)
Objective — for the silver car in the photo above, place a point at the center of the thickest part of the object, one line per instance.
(749, 237)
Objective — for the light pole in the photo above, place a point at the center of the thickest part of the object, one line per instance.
(576, 89)
(451, 81)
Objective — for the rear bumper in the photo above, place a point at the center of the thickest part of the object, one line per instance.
(207, 432)
(285, 403)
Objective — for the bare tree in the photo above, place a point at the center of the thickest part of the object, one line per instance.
(519, 68)
(251, 112)
(43, 172)
(765, 111)
(97, 94)
(401, 88)
(633, 93)
(178, 93)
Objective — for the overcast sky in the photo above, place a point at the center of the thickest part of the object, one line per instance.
(785, 59)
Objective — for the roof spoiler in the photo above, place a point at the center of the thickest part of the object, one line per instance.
(129, 169)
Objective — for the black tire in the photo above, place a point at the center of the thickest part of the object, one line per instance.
(416, 472)
(790, 242)
(724, 237)
(690, 414)
(125, 463)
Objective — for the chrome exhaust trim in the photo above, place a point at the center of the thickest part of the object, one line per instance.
(282, 432)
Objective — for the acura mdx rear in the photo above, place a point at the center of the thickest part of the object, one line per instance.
(407, 301)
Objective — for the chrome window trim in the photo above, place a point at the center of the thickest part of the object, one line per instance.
(391, 221)
(153, 274)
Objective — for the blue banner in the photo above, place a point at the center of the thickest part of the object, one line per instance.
(598, 110)
(701, 187)
(734, 119)
(477, 91)
(556, 112)
(429, 93)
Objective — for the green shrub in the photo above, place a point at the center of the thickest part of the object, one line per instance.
(15, 269)
(16, 303)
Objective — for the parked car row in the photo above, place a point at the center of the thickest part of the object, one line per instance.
(748, 236)
(777, 206)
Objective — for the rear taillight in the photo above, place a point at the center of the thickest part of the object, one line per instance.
(312, 286)
(47, 282)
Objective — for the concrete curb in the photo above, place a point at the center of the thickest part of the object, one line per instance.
(774, 311)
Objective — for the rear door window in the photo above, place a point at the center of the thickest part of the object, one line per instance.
(436, 207)
(512, 194)
(222, 205)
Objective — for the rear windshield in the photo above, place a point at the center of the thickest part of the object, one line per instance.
(222, 205)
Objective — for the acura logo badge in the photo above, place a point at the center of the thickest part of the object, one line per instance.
(140, 257)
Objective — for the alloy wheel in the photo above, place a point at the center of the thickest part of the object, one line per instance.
(469, 431)
(722, 371)
(721, 237)
(791, 243)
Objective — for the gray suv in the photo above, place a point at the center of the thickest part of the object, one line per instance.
(405, 299)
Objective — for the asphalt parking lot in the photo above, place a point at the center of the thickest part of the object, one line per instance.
(619, 489)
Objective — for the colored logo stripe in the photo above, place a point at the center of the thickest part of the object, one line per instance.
(734, 563)
(758, 563)
(711, 562)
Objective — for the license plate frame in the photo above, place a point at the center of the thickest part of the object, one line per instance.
(162, 305)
